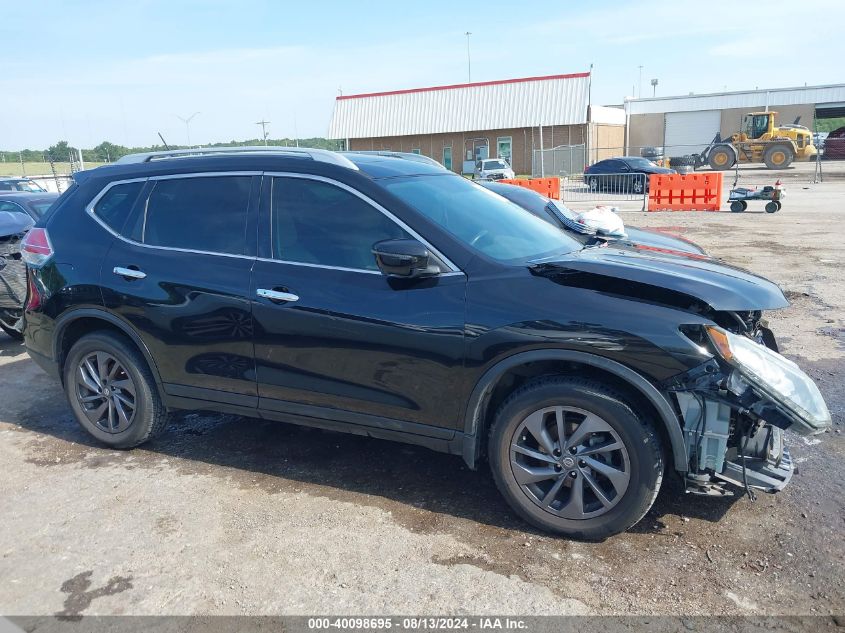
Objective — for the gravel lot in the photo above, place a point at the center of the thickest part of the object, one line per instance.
(224, 515)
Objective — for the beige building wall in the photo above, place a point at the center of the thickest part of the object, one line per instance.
(608, 141)
(732, 118)
(645, 130)
(523, 142)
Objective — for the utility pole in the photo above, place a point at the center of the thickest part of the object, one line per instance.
(263, 125)
(187, 123)
(469, 60)
(640, 91)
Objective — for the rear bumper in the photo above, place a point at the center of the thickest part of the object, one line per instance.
(49, 365)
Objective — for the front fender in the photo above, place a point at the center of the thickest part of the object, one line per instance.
(476, 407)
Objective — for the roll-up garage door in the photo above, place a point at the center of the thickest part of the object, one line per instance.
(690, 132)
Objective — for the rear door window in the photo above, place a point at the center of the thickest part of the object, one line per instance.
(201, 214)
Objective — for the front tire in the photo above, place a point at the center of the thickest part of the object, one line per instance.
(597, 480)
(112, 391)
(721, 157)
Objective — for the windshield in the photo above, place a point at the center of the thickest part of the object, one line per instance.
(40, 206)
(481, 219)
(27, 185)
(639, 162)
(494, 164)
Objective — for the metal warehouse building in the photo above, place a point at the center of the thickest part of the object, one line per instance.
(540, 125)
(684, 125)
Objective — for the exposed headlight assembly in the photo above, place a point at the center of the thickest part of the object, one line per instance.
(774, 376)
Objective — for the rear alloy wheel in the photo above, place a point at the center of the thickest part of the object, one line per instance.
(637, 186)
(112, 391)
(570, 456)
(778, 157)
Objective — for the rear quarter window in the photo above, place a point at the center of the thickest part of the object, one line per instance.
(114, 206)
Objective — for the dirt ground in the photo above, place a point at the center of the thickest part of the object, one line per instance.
(224, 515)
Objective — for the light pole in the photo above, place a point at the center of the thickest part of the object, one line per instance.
(187, 123)
(469, 60)
(654, 87)
(640, 91)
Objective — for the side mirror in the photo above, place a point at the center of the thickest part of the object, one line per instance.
(404, 258)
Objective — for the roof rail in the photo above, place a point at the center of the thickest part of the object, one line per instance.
(322, 155)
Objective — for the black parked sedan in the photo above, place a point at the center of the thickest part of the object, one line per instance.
(553, 213)
(626, 174)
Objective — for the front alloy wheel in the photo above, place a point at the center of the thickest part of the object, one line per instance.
(573, 456)
(570, 462)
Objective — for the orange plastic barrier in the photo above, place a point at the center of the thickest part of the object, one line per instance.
(685, 192)
(549, 187)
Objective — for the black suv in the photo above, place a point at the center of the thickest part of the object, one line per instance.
(387, 297)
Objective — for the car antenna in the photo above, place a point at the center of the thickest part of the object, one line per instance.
(166, 146)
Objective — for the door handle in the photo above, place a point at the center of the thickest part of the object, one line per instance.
(276, 295)
(130, 273)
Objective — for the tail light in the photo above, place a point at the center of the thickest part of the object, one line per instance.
(33, 296)
(36, 249)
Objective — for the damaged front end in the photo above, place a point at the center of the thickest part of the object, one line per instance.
(736, 406)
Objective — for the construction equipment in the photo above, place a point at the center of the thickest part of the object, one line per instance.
(759, 141)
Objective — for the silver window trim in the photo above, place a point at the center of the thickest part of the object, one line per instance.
(89, 209)
(449, 264)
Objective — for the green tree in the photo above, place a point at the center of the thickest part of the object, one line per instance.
(107, 152)
(61, 151)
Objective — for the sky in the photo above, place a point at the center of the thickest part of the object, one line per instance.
(86, 71)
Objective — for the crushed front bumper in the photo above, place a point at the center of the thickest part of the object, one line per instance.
(768, 465)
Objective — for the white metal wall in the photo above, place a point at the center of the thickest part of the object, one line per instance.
(745, 99)
(690, 132)
(558, 100)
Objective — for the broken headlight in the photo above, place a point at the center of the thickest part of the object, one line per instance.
(774, 376)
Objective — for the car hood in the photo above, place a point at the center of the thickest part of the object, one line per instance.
(657, 239)
(719, 285)
(14, 223)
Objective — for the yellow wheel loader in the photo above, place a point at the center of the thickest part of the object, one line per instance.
(759, 141)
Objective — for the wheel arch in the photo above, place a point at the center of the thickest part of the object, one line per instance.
(480, 406)
(75, 324)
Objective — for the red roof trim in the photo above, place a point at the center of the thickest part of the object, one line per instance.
(472, 85)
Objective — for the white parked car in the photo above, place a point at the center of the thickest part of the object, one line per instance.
(493, 169)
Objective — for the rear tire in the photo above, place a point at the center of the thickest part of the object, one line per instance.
(112, 391)
(599, 481)
(778, 157)
(738, 206)
(772, 207)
